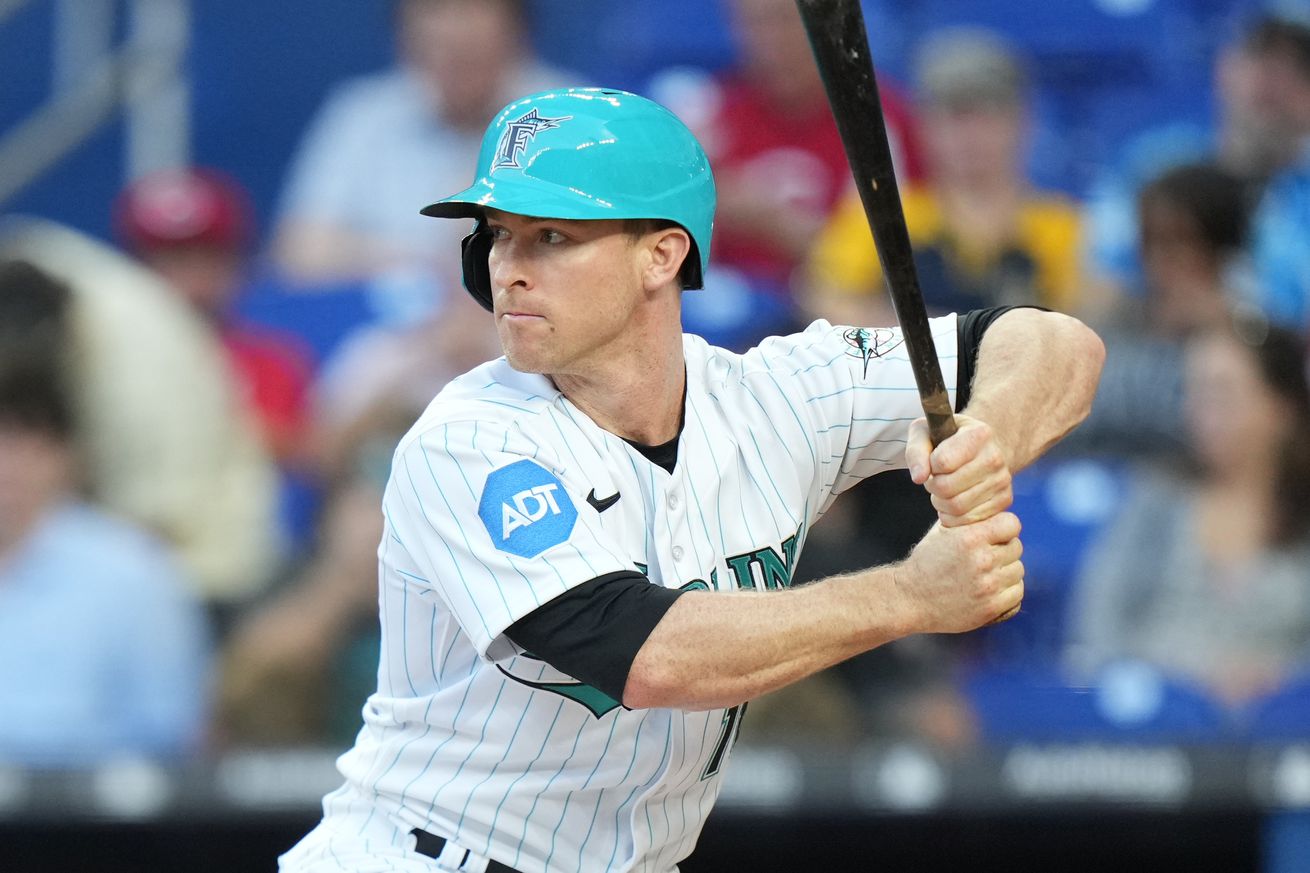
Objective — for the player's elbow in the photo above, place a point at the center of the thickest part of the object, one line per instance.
(651, 685)
(1086, 352)
(656, 683)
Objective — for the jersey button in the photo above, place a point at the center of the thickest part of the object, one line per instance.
(673, 501)
(677, 553)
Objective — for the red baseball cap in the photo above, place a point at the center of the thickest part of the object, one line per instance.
(182, 207)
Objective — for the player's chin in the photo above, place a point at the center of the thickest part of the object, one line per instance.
(526, 359)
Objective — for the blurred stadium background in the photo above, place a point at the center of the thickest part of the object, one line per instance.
(1135, 772)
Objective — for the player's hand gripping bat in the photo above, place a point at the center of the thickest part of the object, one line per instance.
(841, 48)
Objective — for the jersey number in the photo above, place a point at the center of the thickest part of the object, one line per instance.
(727, 735)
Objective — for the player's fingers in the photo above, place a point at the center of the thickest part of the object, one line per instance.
(918, 451)
(966, 444)
(988, 463)
(1001, 528)
(977, 504)
(1009, 553)
(1009, 600)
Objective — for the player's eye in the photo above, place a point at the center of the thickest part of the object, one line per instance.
(550, 236)
(497, 232)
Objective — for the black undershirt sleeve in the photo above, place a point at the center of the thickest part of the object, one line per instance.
(594, 631)
(970, 328)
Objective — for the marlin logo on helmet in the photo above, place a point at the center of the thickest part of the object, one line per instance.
(519, 133)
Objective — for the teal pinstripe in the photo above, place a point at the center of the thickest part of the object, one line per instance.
(545, 737)
(618, 812)
(454, 562)
(614, 723)
(482, 738)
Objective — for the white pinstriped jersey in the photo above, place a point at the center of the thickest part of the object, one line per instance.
(487, 517)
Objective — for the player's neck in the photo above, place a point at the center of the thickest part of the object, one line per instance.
(641, 402)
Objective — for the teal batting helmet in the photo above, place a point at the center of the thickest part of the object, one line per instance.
(586, 153)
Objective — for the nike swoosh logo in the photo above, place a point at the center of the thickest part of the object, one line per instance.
(600, 504)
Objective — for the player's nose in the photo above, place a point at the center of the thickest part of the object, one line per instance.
(507, 267)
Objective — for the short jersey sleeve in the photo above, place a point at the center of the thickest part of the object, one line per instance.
(855, 389)
(488, 521)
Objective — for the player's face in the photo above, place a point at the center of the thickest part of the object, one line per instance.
(565, 293)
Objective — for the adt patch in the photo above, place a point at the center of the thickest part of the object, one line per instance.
(526, 509)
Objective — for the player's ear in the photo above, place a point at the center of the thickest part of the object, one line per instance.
(475, 249)
(669, 247)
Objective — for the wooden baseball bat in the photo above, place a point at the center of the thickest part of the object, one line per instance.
(841, 49)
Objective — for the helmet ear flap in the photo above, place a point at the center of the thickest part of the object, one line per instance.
(475, 249)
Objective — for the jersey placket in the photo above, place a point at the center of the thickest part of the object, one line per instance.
(678, 564)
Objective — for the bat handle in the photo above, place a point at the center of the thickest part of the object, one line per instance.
(941, 421)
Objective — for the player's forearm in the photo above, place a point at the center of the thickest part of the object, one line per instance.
(1035, 380)
(716, 649)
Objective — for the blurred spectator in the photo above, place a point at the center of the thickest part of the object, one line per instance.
(194, 228)
(1263, 84)
(298, 669)
(778, 159)
(1207, 576)
(1262, 136)
(159, 419)
(350, 208)
(1282, 220)
(982, 236)
(103, 650)
(382, 376)
(1194, 223)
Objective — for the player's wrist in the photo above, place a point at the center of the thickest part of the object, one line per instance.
(1004, 436)
(903, 613)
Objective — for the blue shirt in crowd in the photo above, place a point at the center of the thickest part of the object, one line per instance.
(104, 651)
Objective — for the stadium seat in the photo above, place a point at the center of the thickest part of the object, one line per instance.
(734, 312)
(1063, 503)
(1281, 716)
(1103, 70)
(623, 44)
(321, 316)
(1131, 702)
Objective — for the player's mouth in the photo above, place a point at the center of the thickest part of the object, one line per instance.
(515, 315)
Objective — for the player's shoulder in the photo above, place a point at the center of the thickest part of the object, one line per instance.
(492, 401)
(806, 354)
(818, 343)
(777, 360)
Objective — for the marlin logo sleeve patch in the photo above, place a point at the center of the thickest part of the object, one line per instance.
(867, 344)
(525, 509)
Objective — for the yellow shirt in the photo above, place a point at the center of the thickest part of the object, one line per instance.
(1047, 233)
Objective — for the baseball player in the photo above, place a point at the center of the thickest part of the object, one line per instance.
(586, 565)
